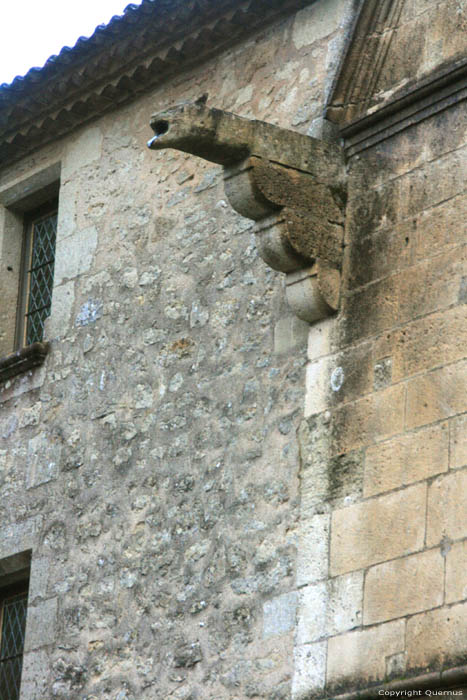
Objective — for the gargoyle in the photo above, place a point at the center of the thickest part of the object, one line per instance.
(293, 186)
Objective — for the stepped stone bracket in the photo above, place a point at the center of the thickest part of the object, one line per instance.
(292, 186)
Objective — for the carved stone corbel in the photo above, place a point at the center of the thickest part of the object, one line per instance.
(293, 187)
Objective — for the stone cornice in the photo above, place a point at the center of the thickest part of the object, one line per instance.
(364, 115)
(413, 104)
(128, 56)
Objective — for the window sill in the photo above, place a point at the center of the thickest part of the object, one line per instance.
(23, 360)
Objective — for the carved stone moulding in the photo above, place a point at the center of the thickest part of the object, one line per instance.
(292, 186)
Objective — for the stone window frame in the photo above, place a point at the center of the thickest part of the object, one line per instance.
(17, 203)
(14, 580)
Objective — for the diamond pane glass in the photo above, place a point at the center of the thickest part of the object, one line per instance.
(41, 276)
(12, 643)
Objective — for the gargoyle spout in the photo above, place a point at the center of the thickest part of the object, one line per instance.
(292, 185)
(216, 136)
(225, 138)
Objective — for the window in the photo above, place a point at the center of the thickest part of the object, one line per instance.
(13, 609)
(28, 228)
(37, 275)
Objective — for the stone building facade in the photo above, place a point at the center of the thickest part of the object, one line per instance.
(212, 498)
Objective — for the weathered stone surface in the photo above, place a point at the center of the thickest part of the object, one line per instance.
(405, 459)
(447, 504)
(186, 515)
(380, 528)
(330, 607)
(456, 563)
(364, 652)
(446, 647)
(404, 586)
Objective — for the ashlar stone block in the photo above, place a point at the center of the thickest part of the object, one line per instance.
(379, 529)
(404, 586)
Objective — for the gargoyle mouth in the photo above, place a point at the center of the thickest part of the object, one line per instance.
(160, 128)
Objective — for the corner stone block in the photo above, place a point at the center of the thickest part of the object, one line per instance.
(309, 670)
(17, 538)
(320, 338)
(36, 666)
(85, 149)
(58, 323)
(40, 624)
(313, 549)
(437, 638)
(43, 461)
(447, 508)
(75, 254)
(382, 528)
(361, 655)
(404, 586)
(330, 607)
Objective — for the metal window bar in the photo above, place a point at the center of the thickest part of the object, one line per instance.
(40, 272)
(13, 611)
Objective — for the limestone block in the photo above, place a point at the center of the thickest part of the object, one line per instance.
(320, 338)
(404, 586)
(361, 655)
(66, 221)
(371, 418)
(317, 386)
(36, 666)
(434, 340)
(437, 637)
(309, 669)
(382, 528)
(40, 624)
(406, 459)
(456, 566)
(436, 395)
(58, 323)
(18, 537)
(313, 549)
(38, 579)
(83, 150)
(74, 255)
(279, 614)
(43, 460)
(330, 607)
(458, 446)
(447, 508)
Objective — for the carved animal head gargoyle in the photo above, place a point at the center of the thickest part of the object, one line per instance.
(293, 186)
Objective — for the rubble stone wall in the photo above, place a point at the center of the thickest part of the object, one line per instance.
(151, 465)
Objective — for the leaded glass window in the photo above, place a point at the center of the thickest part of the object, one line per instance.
(38, 276)
(13, 609)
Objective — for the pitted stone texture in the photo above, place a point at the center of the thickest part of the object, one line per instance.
(447, 505)
(310, 670)
(330, 607)
(380, 528)
(404, 586)
(405, 459)
(365, 652)
(446, 647)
